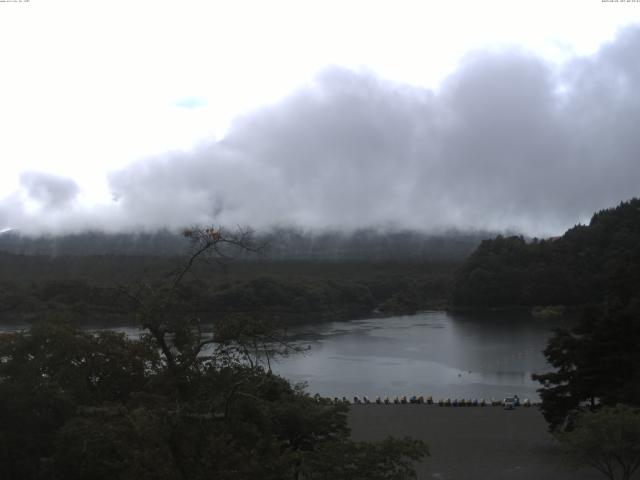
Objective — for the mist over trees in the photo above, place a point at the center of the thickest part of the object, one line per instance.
(279, 244)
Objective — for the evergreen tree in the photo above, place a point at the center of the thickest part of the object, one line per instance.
(597, 363)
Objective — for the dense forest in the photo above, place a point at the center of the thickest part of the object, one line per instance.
(294, 276)
(92, 289)
(579, 268)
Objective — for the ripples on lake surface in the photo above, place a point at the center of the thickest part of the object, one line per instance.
(431, 353)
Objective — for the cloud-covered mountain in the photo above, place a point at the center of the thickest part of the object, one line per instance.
(278, 244)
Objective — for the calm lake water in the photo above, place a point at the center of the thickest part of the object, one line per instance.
(430, 353)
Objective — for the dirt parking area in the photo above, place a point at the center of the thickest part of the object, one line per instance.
(471, 443)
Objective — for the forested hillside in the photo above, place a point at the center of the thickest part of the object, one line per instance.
(579, 268)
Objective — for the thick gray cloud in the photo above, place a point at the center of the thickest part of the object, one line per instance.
(51, 192)
(509, 141)
(45, 203)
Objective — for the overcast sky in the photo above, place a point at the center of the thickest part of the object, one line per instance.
(425, 115)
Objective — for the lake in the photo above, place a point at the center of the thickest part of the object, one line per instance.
(430, 353)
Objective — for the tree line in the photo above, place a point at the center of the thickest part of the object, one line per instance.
(89, 289)
(579, 268)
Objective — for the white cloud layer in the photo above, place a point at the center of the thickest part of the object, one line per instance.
(507, 141)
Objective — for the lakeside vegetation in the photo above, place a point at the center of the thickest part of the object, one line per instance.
(89, 289)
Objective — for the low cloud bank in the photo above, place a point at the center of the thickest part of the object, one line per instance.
(508, 141)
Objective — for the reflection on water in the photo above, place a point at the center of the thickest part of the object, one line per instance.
(432, 353)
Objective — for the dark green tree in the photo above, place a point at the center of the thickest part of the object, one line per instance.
(579, 268)
(597, 363)
(47, 373)
(607, 440)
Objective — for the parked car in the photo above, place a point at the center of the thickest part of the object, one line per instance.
(509, 403)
